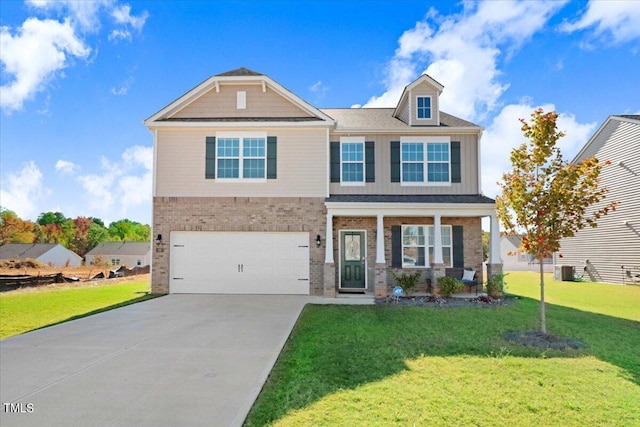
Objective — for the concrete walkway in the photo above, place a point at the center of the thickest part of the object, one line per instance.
(178, 360)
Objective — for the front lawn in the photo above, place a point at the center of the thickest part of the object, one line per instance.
(386, 365)
(23, 311)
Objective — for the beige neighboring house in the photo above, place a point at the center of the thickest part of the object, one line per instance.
(53, 254)
(516, 259)
(257, 191)
(611, 251)
(129, 254)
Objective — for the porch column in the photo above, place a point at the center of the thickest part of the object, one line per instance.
(494, 266)
(437, 241)
(494, 241)
(328, 240)
(380, 241)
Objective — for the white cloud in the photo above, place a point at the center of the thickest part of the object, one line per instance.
(121, 185)
(66, 167)
(22, 190)
(84, 15)
(33, 56)
(124, 87)
(117, 35)
(122, 15)
(616, 21)
(505, 134)
(462, 51)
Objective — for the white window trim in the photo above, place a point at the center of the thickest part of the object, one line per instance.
(354, 140)
(426, 245)
(425, 140)
(430, 109)
(241, 136)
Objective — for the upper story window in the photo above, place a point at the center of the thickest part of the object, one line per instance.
(418, 245)
(241, 157)
(423, 105)
(425, 161)
(352, 161)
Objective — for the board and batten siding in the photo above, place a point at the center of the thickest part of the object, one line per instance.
(383, 184)
(301, 165)
(223, 104)
(614, 243)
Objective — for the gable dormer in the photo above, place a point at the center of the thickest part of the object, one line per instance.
(419, 104)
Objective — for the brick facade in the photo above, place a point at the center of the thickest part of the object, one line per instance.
(259, 214)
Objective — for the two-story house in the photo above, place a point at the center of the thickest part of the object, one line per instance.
(257, 191)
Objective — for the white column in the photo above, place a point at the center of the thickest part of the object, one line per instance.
(328, 240)
(494, 242)
(437, 241)
(380, 241)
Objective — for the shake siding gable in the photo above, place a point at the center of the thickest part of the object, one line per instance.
(616, 240)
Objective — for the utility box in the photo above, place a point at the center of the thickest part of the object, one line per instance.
(567, 272)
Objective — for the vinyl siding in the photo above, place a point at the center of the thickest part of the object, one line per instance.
(383, 184)
(612, 244)
(302, 168)
(224, 104)
(404, 113)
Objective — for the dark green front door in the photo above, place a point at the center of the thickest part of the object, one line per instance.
(352, 260)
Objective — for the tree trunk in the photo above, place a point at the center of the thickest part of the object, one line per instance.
(543, 319)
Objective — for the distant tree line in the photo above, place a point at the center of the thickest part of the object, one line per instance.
(79, 235)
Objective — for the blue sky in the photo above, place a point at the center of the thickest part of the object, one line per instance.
(78, 78)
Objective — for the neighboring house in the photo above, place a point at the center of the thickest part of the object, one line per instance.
(129, 254)
(53, 254)
(516, 259)
(257, 191)
(611, 251)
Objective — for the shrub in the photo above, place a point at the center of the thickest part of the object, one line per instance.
(407, 281)
(496, 285)
(449, 286)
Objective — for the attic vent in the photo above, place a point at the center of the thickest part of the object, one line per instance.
(242, 100)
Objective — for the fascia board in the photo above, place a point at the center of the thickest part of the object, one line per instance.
(413, 129)
(410, 209)
(180, 125)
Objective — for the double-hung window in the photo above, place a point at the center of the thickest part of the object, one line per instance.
(241, 156)
(418, 243)
(352, 161)
(423, 107)
(426, 160)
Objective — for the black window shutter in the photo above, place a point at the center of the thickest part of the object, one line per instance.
(456, 175)
(458, 246)
(272, 157)
(396, 246)
(370, 161)
(210, 158)
(335, 161)
(395, 161)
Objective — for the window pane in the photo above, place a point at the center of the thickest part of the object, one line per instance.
(228, 147)
(253, 168)
(438, 152)
(413, 172)
(352, 172)
(438, 172)
(424, 107)
(228, 168)
(253, 147)
(413, 257)
(446, 235)
(413, 152)
(413, 236)
(446, 255)
(352, 152)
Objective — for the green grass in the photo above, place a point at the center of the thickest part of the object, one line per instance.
(21, 312)
(385, 365)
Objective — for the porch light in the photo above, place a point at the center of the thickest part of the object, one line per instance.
(159, 239)
(318, 240)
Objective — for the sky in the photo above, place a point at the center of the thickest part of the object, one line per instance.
(77, 78)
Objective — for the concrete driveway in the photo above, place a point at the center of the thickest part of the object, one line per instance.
(178, 360)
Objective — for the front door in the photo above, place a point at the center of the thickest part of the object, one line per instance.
(352, 260)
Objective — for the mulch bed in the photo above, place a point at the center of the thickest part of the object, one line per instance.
(540, 340)
(437, 301)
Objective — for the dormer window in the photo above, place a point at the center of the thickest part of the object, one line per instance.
(423, 105)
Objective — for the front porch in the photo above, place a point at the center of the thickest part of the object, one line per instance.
(369, 241)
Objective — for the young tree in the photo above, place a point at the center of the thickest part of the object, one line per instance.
(546, 198)
(13, 229)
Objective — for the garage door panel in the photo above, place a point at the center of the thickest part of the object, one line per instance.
(236, 263)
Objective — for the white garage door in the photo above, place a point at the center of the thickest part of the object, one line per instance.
(239, 263)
